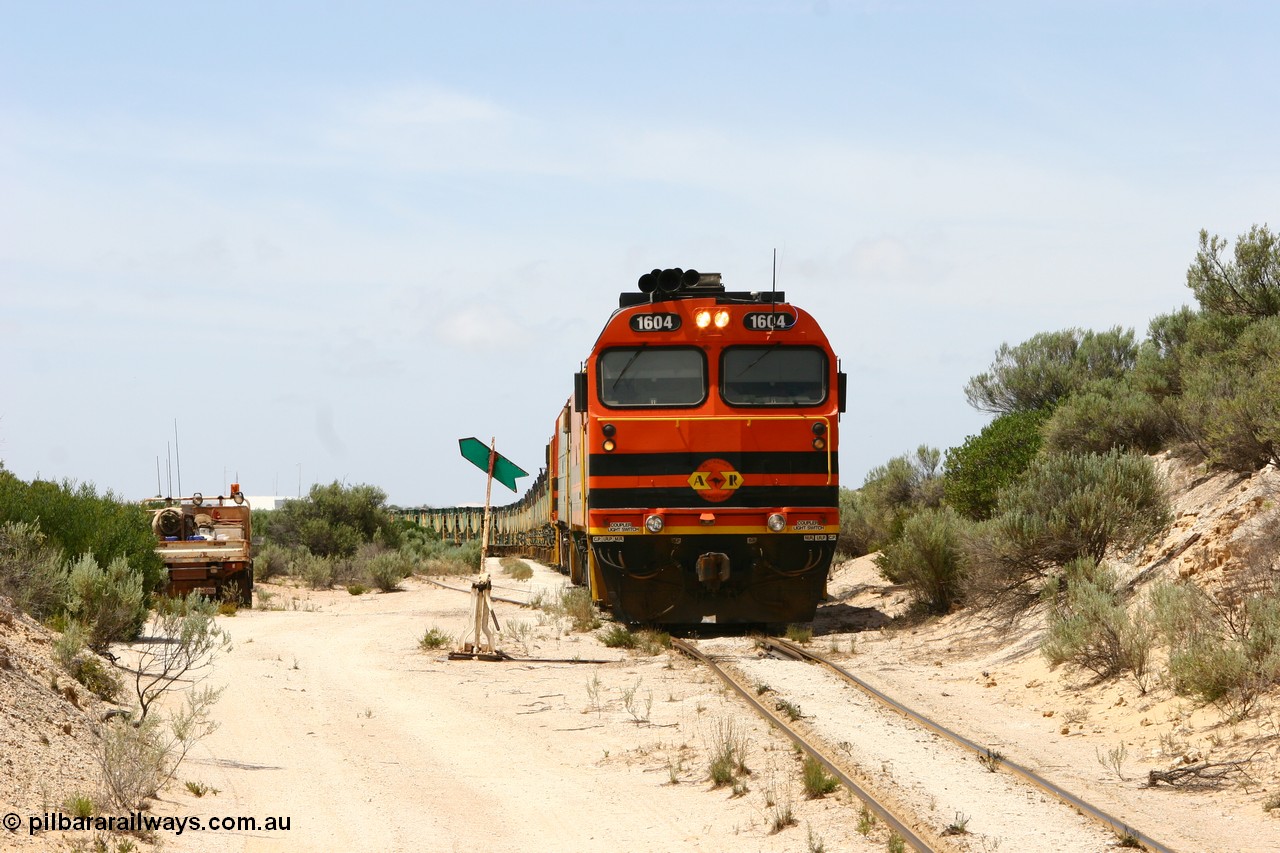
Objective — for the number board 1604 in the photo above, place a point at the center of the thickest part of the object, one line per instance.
(655, 322)
(768, 321)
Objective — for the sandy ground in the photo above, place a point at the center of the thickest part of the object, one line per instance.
(334, 720)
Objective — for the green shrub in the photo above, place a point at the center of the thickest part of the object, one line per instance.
(619, 637)
(132, 758)
(1224, 652)
(110, 601)
(32, 573)
(929, 557)
(80, 805)
(334, 520)
(1247, 286)
(1065, 507)
(73, 639)
(97, 677)
(316, 571)
(801, 634)
(434, 638)
(1045, 369)
(1229, 404)
(653, 642)
(817, 781)
(1090, 627)
(1108, 414)
(516, 568)
(576, 604)
(76, 520)
(727, 744)
(271, 560)
(357, 589)
(975, 471)
(890, 494)
(388, 569)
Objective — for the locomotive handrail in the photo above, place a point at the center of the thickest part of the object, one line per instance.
(676, 419)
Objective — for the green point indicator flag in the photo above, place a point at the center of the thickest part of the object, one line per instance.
(504, 470)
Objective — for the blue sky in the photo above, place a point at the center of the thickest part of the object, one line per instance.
(330, 239)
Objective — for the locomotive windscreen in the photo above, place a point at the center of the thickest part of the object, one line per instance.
(652, 376)
(773, 375)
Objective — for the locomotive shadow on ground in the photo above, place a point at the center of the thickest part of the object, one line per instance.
(832, 618)
(840, 618)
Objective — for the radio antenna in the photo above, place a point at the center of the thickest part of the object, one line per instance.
(177, 457)
(157, 475)
(773, 297)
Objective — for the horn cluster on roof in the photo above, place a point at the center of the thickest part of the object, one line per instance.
(660, 285)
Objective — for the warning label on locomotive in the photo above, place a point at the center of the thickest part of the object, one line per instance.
(715, 480)
(621, 527)
(809, 524)
(607, 539)
(827, 537)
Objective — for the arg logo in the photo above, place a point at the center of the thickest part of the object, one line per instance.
(715, 480)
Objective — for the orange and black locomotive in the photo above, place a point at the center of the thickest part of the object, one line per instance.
(693, 475)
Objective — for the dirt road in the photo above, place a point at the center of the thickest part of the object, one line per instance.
(334, 719)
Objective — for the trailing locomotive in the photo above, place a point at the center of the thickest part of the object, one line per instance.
(693, 475)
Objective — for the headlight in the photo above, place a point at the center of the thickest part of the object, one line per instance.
(722, 319)
(702, 319)
(777, 522)
(654, 524)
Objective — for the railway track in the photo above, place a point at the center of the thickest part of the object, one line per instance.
(892, 820)
(891, 815)
(989, 758)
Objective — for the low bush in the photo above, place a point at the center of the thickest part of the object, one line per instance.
(1229, 404)
(434, 638)
(132, 759)
(817, 781)
(727, 744)
(976, 471)
(388, 569)
(97, 677)
(315, 571)
(32, 574)
(653, 642)
(1108, 414)
(515, 567)
(929, 557)
(1065, 507)
(1090, 627)
(619, 637)
(77, 520)
(1223, 652)
(271, 560)
(873, 515)
(576, 604)
(110, 601)
(802, 634)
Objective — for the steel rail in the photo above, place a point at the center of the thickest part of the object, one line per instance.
(991, 756)
(891, 820)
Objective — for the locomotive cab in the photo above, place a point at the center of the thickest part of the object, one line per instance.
(710, 431)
